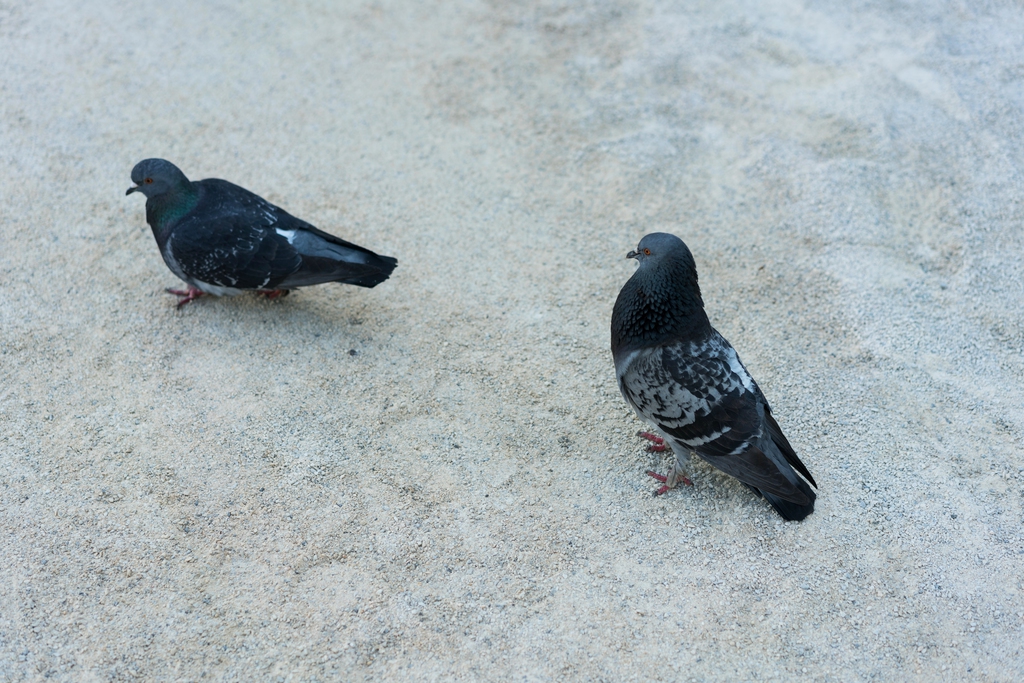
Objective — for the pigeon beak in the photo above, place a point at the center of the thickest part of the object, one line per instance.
(632, 254)
(130, 190)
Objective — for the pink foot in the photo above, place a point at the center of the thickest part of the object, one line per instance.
(659, 443)
(274, 293)
(664, 480)
(185, 295)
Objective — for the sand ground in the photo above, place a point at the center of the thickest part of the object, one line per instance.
(436, 479)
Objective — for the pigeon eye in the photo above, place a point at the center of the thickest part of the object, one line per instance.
(647, 252)
(148, 181)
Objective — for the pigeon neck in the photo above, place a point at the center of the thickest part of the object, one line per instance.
(654, 310)
(165, 210)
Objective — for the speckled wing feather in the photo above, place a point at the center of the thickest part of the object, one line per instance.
(700, 395)
(692, 391)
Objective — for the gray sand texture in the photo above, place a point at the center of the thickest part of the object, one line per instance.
(437, 479)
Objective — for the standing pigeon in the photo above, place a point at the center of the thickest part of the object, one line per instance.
(681, 376)
(222, 239)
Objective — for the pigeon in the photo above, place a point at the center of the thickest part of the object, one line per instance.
(683, 378)
(222, 239)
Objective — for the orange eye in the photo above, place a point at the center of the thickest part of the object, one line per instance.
(647, 252)
(148, 181)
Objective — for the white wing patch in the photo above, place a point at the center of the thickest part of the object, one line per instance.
(693, 443)
(623, 365)
(737, 367)
(172, 263)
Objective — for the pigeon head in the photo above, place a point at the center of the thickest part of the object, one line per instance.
(655, 248)
(156, 177)
(662, 300)
(667, 266)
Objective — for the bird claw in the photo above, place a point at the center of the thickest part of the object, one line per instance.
(674, 477)
(659, 443)
(667, 486)
(274, 293)
(185, 295)
(650, 437)
(662, 478)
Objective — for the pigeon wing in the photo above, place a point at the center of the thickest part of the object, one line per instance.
(692, 392)
(708, 402)
(233, 239)
(303, 254)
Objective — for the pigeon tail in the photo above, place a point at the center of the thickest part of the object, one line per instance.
(778, 450)
(782, 443)
(790, 511)
(386, 264)
(371, 271)
(326, 258)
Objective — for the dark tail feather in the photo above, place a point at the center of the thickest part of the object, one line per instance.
(787, 450)
(777, 448)
(792, 511)
(386, 264)
(326, 258)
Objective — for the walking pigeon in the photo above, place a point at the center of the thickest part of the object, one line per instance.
(681, 376)
(222, 239)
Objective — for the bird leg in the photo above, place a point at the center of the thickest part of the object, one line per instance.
(658, 444)
(185, 295)
(274, 293)
(675, 476)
